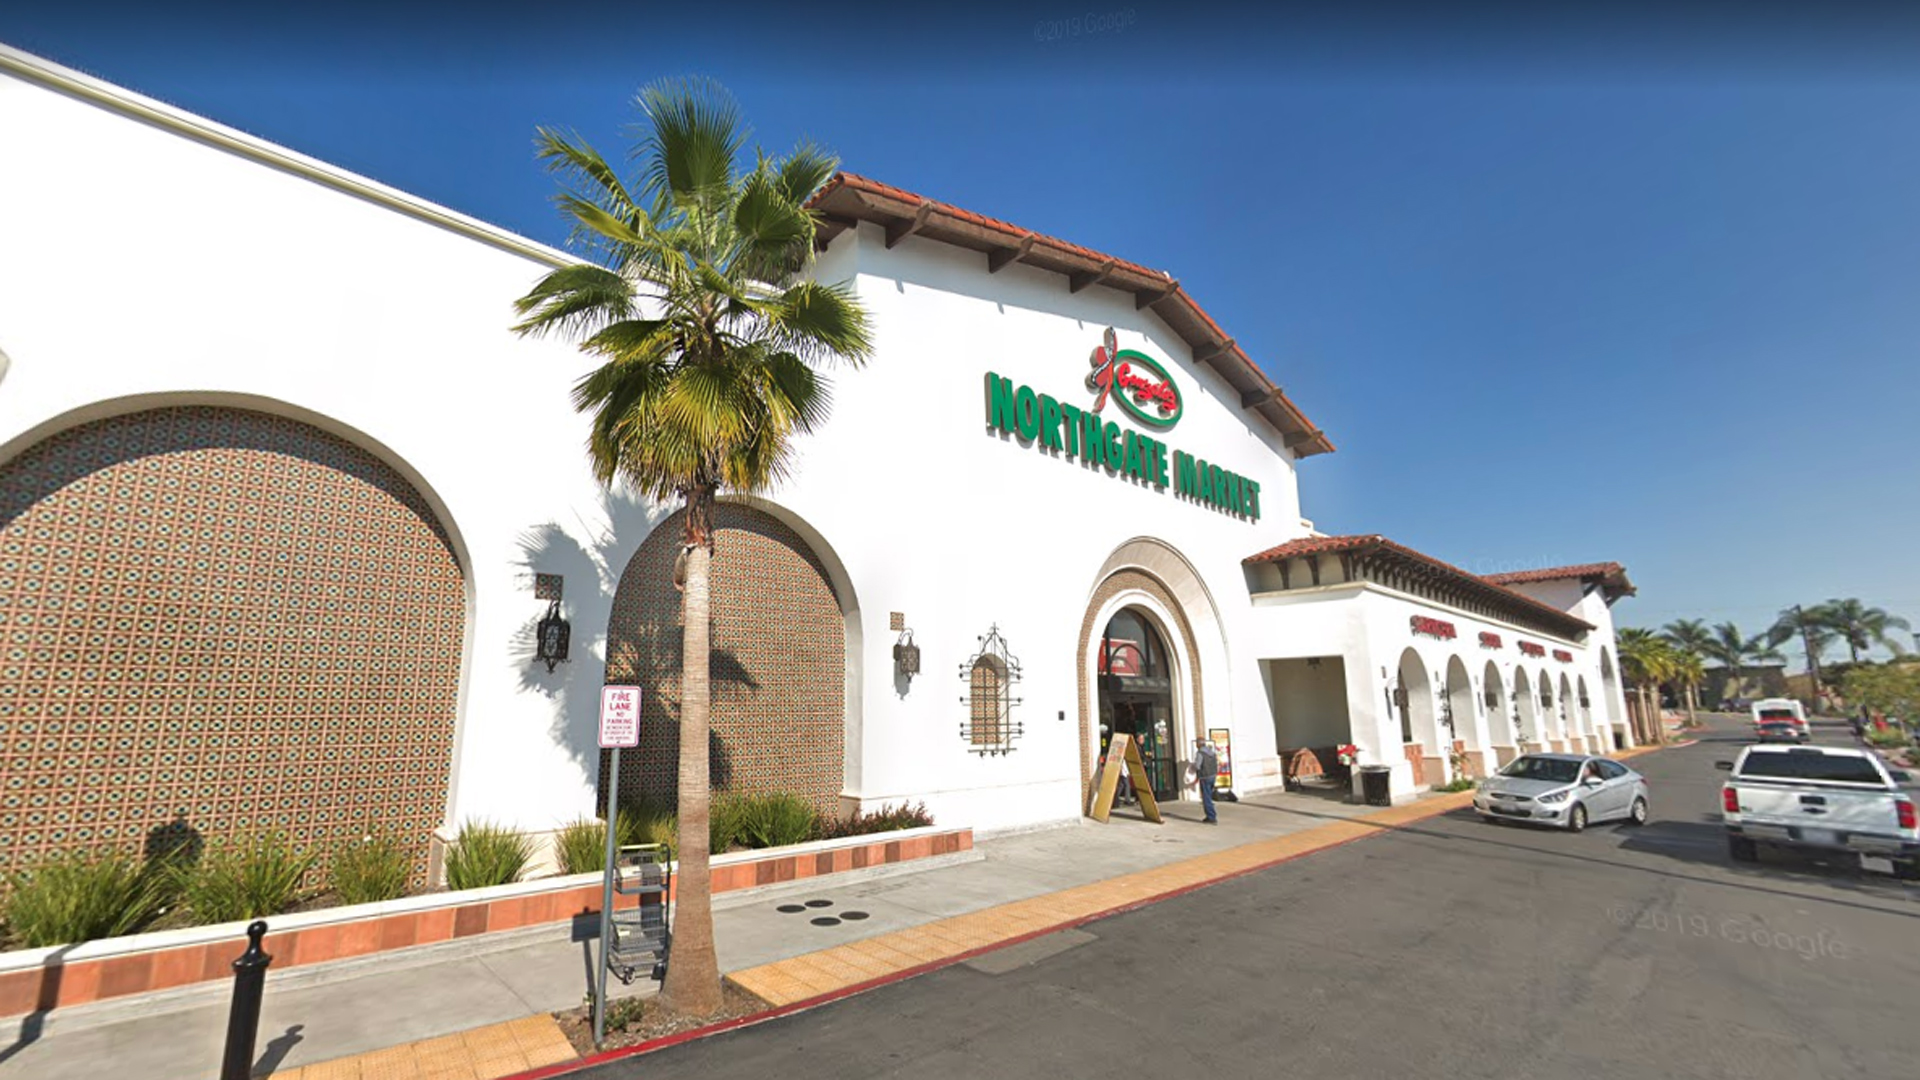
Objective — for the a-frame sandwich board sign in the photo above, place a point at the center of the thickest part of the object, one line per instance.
(1124, 753)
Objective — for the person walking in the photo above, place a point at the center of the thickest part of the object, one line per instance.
(1206, 765)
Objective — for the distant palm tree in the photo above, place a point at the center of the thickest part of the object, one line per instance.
(1813, 626)
(1690, 639)
(708, 334)
(1646, 661)
(1862, 627)
(1734, 651)
(1689, 669)
(1690, 635)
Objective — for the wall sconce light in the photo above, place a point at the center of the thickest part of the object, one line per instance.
(1492, 698)
(552, 637)
(1400, 696)
(906, 655)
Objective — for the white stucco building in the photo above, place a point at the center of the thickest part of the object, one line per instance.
(277, 481)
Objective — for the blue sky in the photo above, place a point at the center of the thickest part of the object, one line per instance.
(1617, 284)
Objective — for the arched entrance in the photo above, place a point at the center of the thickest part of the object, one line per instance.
(1419, 730)
(1552, 732)
(222, 622)
(1465, 726)
(778, 666)
(1531, 738)
(1151, 601)
(1612, 702)
(1597, 743)
(1499, 715)
(1576, 735)
(1136, 695)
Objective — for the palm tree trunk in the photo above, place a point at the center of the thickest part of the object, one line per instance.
(1693, 708)
(692, 985)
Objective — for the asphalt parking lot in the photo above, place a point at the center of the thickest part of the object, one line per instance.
(1451, 947)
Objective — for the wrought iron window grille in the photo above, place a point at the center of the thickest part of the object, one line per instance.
(989, 675)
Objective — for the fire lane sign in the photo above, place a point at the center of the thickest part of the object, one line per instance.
(619, 717)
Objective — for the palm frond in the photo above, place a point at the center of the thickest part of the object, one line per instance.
(805, 171)
(821, 322)
(574, 299)
(696, 136)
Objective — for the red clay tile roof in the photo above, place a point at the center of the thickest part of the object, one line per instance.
(1375, 546)
(849, 198)
(1558, 573)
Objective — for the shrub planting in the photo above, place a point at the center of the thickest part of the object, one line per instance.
(485, 854)
(244, 879)
(81, 896)
(582, 845)
(885, 819)
(777, 820)
(373, 868)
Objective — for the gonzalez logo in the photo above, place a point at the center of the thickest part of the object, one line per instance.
(1136, 381)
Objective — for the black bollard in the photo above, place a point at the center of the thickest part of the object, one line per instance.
(243, 1023)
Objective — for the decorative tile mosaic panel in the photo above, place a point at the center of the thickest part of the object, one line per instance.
(216, 622)
(779, 663)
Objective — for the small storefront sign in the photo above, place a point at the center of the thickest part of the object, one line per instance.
(1563, 656)
(1531, 649)
(1432, 627)
(1489, 639)
(1222, 740)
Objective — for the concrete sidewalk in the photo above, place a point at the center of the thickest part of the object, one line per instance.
(426, 1012)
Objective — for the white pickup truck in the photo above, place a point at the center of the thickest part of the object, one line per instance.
(1824, 798)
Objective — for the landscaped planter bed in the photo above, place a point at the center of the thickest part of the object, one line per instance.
(68, 975)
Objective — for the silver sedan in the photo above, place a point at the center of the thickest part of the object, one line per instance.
(1570, 791)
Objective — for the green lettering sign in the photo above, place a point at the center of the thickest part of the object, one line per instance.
(999, 402)
(1026, 412)
(1049, 422)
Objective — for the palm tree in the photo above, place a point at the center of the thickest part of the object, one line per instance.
(1862, 627)
(708, 336)
(1646, 661)
(1690, 638)
(1734, 651)
(1812, 626)
(1689, 669)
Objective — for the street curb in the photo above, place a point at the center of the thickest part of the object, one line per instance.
(1401, 816)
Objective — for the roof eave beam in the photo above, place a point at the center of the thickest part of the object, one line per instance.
(1000, 260)
(1148, 299)
(902, 230)
(1077, 282)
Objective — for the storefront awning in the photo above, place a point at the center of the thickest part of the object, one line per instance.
(1376, 558)
(849, 199)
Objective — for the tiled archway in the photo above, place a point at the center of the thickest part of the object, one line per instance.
(216, 622)
(778, 663)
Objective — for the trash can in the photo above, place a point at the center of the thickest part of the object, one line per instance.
(1374, 784)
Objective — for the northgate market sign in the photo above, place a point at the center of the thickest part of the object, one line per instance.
(1146, 392)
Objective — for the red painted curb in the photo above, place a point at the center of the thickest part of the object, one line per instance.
(661, 1043)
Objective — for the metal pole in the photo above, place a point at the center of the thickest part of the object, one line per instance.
(243, 1021)
(606, 903)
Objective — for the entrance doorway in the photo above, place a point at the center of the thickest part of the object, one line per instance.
(1136, 697)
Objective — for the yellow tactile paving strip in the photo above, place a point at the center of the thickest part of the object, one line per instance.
(481, 1054)
(506, 1049)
